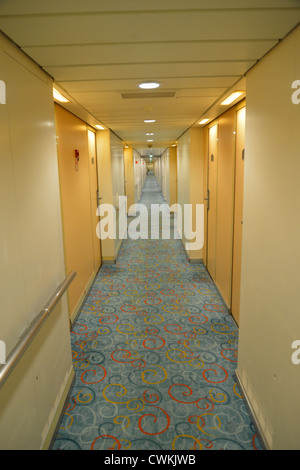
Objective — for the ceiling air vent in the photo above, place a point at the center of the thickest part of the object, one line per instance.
(158, 94)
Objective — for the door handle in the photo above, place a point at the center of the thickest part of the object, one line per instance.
(207, 199)
(98, 197)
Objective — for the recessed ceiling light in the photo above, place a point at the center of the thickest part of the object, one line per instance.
(231, 98)
(149, 120)
(149, 140)
(204, 121)
(100, 127)
(149, 85)
(149, 133)
(59, 97)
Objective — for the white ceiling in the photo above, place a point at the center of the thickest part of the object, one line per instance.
(97, 51)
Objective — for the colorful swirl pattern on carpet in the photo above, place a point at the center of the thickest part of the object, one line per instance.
(155, 353)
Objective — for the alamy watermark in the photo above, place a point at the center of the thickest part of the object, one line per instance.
(2, 352)
(2, 92)
(296, 94)
(187, 222)
(296, 354)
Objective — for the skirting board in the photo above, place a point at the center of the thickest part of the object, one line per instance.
(196, 261)
(259, 431)
(108, 261)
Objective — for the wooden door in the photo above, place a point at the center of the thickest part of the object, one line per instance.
(238, 212)
(212, 199)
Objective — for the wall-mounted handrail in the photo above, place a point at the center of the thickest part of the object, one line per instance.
(33, 328)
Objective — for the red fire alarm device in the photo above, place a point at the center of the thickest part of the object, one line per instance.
(76, 159)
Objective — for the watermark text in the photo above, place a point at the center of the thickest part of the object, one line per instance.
(296, 94)
(2, 352)
(2, 92)
(153, 223)
(296, 354)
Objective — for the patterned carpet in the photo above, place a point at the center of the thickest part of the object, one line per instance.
(155, 353)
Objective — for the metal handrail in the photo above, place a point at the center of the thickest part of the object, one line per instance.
(33, 328)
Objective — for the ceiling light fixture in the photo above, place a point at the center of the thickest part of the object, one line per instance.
(149, 120)
(204, 121)
(149, 133)
(59, 97)
(231, 98)
(149, 85)
(100, 127)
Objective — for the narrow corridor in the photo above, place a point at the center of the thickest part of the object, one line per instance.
(149, 342)
(155, 353)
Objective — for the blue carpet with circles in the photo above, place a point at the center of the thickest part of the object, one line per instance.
(155, 353)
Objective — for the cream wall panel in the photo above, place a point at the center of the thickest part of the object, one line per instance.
(36, 389)
(135, 175)
(190, 176)
(139, 167)
(196, 186)
(32, 258)
(163, 171)
(183, 171)
(172, 175)
(158, 172)
(270, 295)
(117, 167)
(32, 170)
(129, 176)
(10, 239)
(183, 168)
(118, 181)
(111, 181)
(155, 168)
(166, 175)
(137, 178)
(144, 172)
(35, 173)
(184, 177)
